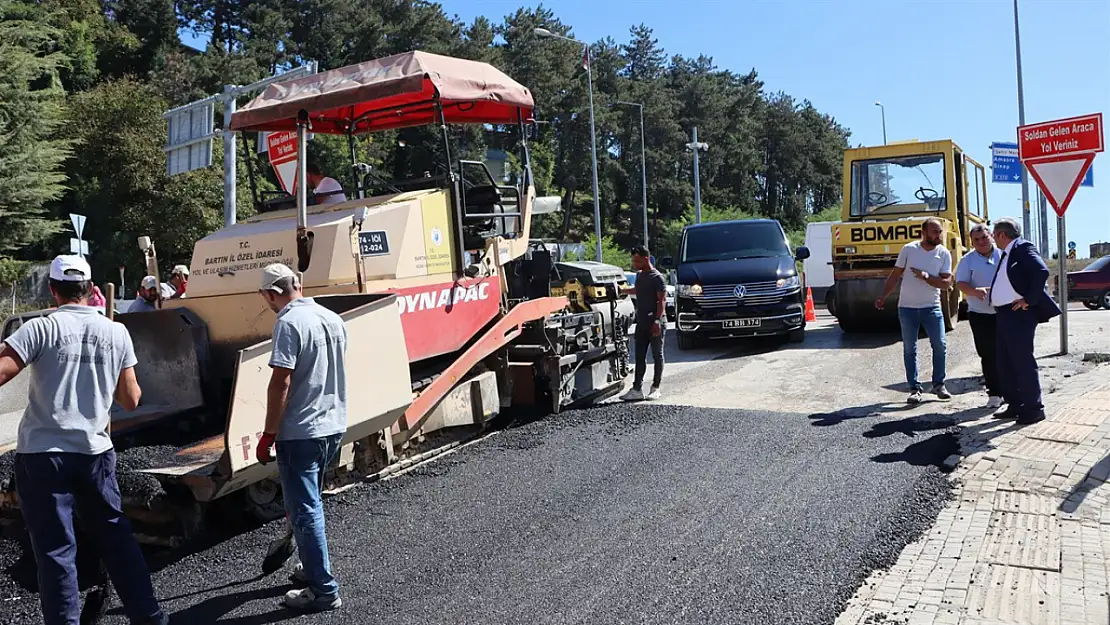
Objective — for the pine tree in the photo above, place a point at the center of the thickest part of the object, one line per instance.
(31, 116)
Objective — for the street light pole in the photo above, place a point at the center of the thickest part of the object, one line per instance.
(543, 32)
(643, 165)
(882, 109)
(1021, 122)
(697, 146)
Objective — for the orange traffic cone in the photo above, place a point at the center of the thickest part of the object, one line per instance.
(811, 313)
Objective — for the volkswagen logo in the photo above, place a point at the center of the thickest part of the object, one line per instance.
(739, 291)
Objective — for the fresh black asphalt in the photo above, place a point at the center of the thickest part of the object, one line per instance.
(620, 514)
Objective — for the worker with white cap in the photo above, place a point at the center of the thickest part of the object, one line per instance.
(306, 414)
(79, 361)
(179, 277)
(147, 300)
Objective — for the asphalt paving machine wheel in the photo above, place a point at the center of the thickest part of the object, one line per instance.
(263, 500)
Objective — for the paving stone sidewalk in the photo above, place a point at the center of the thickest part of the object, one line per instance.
(1026, 539)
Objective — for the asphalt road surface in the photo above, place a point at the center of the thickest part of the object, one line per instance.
(764, 489)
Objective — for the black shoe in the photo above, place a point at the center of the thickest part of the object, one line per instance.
(1009, 413)
(1036, 417)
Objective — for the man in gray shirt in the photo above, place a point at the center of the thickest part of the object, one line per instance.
(930, 273)
(306, 414)
(79, 362)
(147, 300)
(651, 302)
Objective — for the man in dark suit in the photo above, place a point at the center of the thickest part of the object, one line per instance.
(1021, 301)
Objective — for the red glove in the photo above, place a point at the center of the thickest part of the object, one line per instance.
(262, 452)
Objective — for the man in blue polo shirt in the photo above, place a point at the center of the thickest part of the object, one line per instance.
(973, 278)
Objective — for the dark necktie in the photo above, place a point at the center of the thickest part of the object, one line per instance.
(1001, 260)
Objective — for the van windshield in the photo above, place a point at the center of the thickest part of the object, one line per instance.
(733, 241)
(1099, 264)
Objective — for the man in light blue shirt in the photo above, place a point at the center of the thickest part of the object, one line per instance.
(306, 415)
(973, 279)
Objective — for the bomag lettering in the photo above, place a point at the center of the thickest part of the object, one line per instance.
(893, 232)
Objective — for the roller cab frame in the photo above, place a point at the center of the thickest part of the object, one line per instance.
(889, 191)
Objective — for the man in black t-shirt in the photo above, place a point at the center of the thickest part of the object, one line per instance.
(651, 302)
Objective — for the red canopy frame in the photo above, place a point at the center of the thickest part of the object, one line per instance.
(410, 89)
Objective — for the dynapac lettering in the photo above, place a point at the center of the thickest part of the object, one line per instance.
(441, 298)
(892, 232)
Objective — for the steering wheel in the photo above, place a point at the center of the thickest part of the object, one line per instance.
(875, 197)
(925, 195)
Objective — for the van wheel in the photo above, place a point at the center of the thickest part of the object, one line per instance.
(686, 341)
(797, 336)
(1104, 299)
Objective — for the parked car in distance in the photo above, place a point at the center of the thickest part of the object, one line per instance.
(738, 279)
(1091, 285)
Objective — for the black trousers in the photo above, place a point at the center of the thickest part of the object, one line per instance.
(52, 487)
(985, 330)
(1017, 365)
(645, 339)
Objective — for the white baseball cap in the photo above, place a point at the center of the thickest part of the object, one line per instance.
(181, 269)
(70, 268)
(149, 282)
(272, 273)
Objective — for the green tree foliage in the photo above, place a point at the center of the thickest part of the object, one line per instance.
(31, 114)
(122, 63)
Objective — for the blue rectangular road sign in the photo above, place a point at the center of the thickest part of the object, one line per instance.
(1006, 167)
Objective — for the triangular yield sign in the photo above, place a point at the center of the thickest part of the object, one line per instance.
(287, 175)
(1059, 178)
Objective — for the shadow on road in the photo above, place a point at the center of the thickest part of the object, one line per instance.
(1095, 477)
(956, 386)
(935, 449)
(213, 609)
(825, 419)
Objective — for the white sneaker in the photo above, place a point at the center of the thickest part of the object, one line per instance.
(306, 601)
(633, 395)
(994, 401)
(654, 394)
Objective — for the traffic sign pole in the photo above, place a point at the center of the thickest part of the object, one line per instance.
(1058, 154)
(1061, 241)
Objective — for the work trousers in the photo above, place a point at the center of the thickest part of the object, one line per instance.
(1017, 364)
(912, 319)
(301, 466)
(644, 339)
(984, 330)
(52, 487)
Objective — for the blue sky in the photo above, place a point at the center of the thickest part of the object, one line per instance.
(942, 68)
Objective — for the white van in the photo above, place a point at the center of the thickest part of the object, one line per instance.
(818, 270)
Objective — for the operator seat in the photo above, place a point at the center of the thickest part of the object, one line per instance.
(480, 201)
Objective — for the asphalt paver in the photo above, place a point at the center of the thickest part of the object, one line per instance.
(642, 513)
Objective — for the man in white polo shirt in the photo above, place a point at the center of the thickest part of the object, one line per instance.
(930, 273)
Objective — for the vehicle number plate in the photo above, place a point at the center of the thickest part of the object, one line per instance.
(742, 323)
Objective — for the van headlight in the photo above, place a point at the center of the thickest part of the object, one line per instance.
(788, 283)
(689, 290)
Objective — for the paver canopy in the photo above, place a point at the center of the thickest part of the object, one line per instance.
(393, 92)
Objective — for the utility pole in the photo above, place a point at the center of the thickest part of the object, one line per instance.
(543, 32)
(697, 146)
(882, 109)
(1021, 122)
